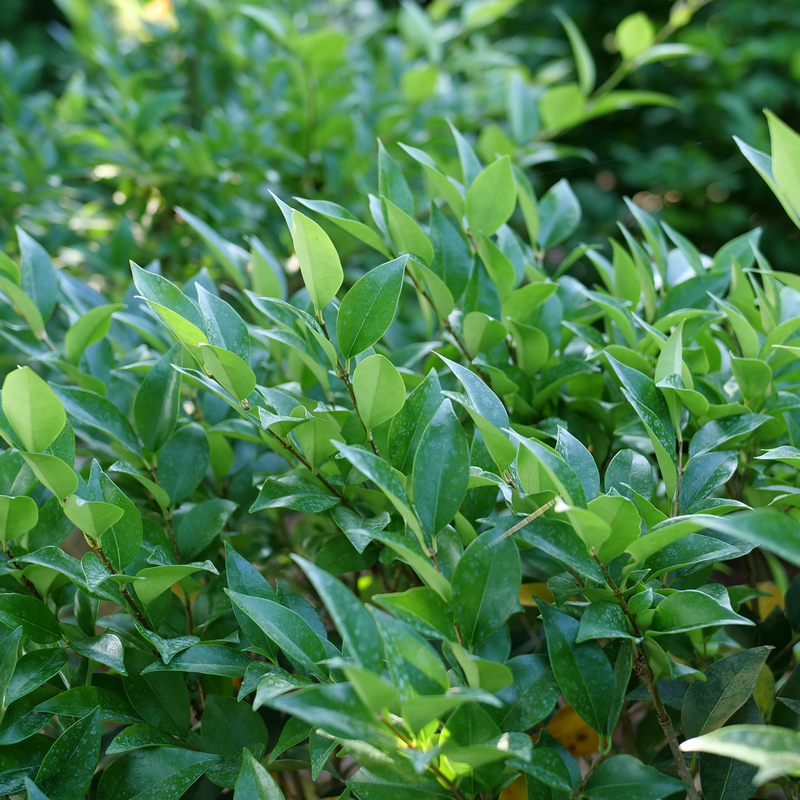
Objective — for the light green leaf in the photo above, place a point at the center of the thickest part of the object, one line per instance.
(584, 63)
(491, 197)
(379, 390)
(634, 35)
(30, 405)
(229, 370)
(90, 328)
(319, 261)
(93, 518)
(17, 516)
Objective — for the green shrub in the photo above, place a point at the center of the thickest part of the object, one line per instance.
(212, 108)
(498, 514)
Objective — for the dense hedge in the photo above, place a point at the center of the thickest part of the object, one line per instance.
(530, 489)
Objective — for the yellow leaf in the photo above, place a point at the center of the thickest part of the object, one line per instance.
(765, 687)
(515, 791)
(766, 604)
(570, 731)
(528, 593)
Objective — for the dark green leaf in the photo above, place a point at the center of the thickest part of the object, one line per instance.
(729, 683)
(165, 773)
(67, 770)
(368, 309)
(582, 670)
(485, 586)
(183, 461)
(626, 778)
(441, 470)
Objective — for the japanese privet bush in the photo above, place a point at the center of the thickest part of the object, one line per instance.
(450, 526)
(212, 104)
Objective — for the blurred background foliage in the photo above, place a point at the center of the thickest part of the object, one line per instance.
(113, 112)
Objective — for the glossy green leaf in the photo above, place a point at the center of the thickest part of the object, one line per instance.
(729, 683)
(229, 370)
(354, 624)
(345, 220)
(441, 469)
(530, 697)
(626, 778)
(224, 328)
(369, 307)
(254, 782)
(37, 276)
(37, 620)
(93, 518)
(286, 628)
(153, 581)
(583, 671)
(165, 773)
(415, 667)
(411, 421)
(106, 649)
(705, 473)
(183, 461)
(157, 402)
(559, 214)
(80, 700)
(67, 769)
(688, 610)
(485, 586)
(87, 408)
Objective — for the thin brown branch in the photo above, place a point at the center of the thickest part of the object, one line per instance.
(25, 579)
(642, 668)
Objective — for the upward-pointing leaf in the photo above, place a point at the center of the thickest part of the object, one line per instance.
(254, 782)
(485, 586)
(67, 770)
(785, 165)
(392, 183)
(88, 330)
(37, 275)
(224, 327)
(441, 470)
(379, 390)
(319, 261)
(157, 403)
(164, 293)
(35, 413)
(650, 405)
(583, 671)
(368, 309)
(355, 625)
(492, 197)
(584, 63)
